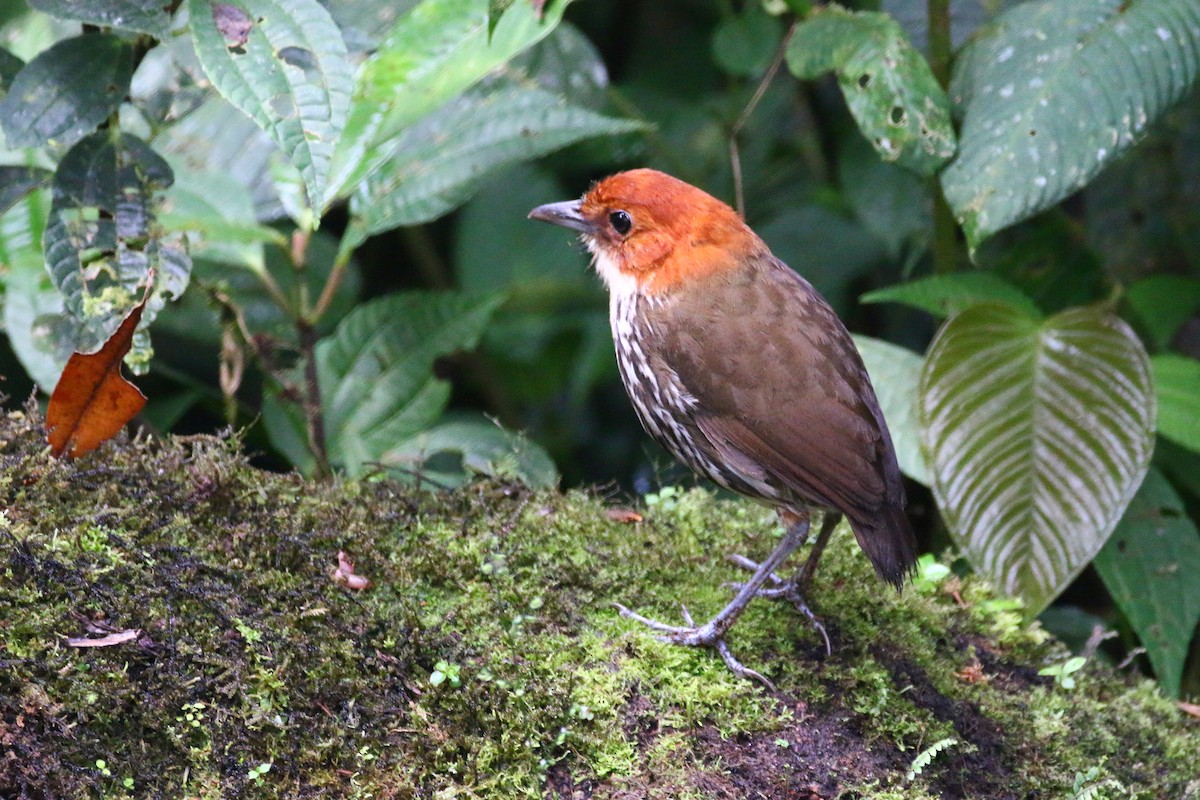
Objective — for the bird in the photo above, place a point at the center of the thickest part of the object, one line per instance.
(741, 370)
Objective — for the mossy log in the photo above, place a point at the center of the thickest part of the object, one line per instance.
(485, 658)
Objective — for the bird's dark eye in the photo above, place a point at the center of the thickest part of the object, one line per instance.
(620, 221)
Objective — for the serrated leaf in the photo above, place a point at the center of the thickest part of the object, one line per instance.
(1163, 303)
(102, 238)
(434, 52)
(888, 86)
(474, 447)
(68, 90)
(943, 295)
(1037, 433)
(1150, 566)
(145, 16)
(1055, 90)
(1177, 380)
(378, 387)
(436, 165)
(16, 183)
(291, 76)
(895, 372)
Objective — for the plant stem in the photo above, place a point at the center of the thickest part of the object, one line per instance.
(313, 410)
(944, 246)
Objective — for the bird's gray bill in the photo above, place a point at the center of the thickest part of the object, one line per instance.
(565, 214)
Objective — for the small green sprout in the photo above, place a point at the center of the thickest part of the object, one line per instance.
(1062, 673)
(926, 757)
(930, 573)
(444, 671)
(102, 765)
(256, 774)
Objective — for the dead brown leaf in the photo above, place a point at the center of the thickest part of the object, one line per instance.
(119, 637)
(93, 400)
(626, 516)
(1189, 708)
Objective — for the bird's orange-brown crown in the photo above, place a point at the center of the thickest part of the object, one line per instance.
(663, 232)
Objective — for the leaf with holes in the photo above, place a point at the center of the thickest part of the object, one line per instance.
(1150, 565)
(1052, 92)
(437, 164)
(283, 63)
(1037, 433)
(942, 295)
(433, 53)
(144, 16)
(1177, 379)
(887, 83)
(68, 90)
(894, 373)
(92, 400)
(102, 239)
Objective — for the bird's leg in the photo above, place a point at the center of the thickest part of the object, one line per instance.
(712, 633)
(794, 589)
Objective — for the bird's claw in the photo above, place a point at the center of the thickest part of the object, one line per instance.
(707, 635)
(789, 590)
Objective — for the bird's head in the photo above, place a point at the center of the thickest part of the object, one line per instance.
(650, 233)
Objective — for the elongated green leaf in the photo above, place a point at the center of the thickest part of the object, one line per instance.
(888, 85)
(474, 446)
(284, 66)
(1053, 91)
(433, 53)
(437, 164)
(146, 16)
(378, 387)
(102, 238)
(1037, 433)
(1177, 379)
(10, 65)
(895, 372)
(943, 295)
(1150, 565)
(1163, 303)
(69, 89)
(17, 182)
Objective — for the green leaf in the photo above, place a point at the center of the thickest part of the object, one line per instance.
(1150, 566)
(888, 200)
(448, 454)
(943, 295)
(895, 372)
(144, 16)
(102, 238)
(1162, 304)
(565, 63)
(10, 65)
(887, 84)
(291, 75)
(378, 388)
(1055, 90)
(744, 44)
(1177, 380)
(436, 165)
(68, 90)
(433, 53)
(1037, 433)
(16, 183)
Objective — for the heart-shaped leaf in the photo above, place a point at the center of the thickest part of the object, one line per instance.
(1150, 565)
(1037, 432)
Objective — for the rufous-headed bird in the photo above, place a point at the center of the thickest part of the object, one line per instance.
(741, 370)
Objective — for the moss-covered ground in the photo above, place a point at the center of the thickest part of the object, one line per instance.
(485, 658)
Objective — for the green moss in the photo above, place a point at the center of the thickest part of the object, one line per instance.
(486, 660)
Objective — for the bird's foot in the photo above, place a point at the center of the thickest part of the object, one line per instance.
(710, 634)
(791, 591)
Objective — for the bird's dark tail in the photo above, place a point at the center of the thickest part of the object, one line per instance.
(887, 539)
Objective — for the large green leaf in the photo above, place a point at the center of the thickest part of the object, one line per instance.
(1163, 303)
(1150, 565)
(895, 372)
(433, 53)
(449, 453)
(102, 238)
(888, 85)
(16, 183)
(1053, 91)
(437, 164)
(378, 387)
(943, 295)
(145, 16)
(1177, 379)
(286, 68)
(68, 90)
(1037, 433)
